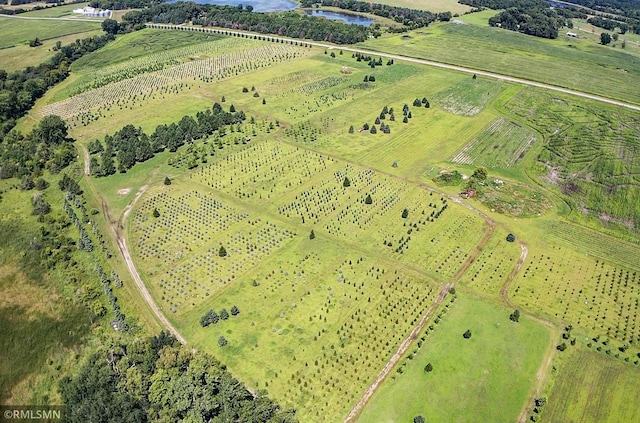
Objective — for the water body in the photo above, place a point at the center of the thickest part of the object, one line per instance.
(344, 17)
(284, 5)
(258, 5)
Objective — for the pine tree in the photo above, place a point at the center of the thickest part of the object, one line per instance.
(312, 235)
(167, 181)
(405, 213)
(156, 213)
(368, 200)
(235, 311)
(346, 183)
(222, 252)
(224, 314)
(351, 129)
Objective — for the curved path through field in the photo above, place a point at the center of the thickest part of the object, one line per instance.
(412, 60)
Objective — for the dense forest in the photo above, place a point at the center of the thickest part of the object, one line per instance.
(157, 379)
(130, 145)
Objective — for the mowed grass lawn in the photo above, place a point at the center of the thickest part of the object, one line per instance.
(591, 387)
(486, 378)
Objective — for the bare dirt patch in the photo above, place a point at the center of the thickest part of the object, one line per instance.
(124, 191)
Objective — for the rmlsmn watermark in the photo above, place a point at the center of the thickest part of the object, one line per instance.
(30, 413)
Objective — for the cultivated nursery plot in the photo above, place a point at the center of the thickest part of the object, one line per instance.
(582, 290)
(316, 326)
(467, 97)
(592, 153)
(130, 92)
(490, 270)
(501, 145)
(167, 58)
(197, 244)
(264, 171)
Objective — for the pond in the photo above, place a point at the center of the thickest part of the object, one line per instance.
(258, 5)
(346, 18)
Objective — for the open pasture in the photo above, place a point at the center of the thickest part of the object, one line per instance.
(592, 153)
(591, 387)
(589, 67)
(316, 324)
(466, 375)
(18, 31)
(500, 145)
(582, 290)
(431, 5)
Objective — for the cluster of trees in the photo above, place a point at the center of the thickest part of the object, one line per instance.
(609, 24)
(19, 90)
(123, 4)
(156, 379)
(290, 24)
(130, 145)
(47, 146)
(410, 18)
(626, 8)
(211, 317)
(113, 301)
(531, 17)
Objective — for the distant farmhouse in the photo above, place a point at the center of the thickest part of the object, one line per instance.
(90, 12)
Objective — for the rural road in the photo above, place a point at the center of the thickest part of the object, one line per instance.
(412, 60)
(124, 250)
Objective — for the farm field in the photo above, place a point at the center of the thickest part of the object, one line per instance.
(302, 245)
(585, 66)
(16, 31)
(431, 5)
(465, 368)
(578, 393)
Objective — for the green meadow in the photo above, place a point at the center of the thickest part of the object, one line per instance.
(466, 375)
(331, 219)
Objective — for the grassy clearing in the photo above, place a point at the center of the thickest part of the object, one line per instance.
(592, 387)
(18, 31)
(583, 66)
(500, 145)
(57, 11)
(466, 375)
(468, 97)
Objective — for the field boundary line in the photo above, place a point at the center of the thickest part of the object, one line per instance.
(432, 63)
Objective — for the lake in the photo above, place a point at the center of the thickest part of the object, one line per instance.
(344, 17)
(258, 5)
(284, 5)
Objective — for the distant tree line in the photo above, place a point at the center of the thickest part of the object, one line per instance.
(290, 24)
(124, 4)
(130, 145)
(627, 8)
(157, 379)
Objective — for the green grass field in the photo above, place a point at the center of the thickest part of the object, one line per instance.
(320, 317)
(431, 5)
(591, 387)
(586, 66)
(466, 375)
(17, 32)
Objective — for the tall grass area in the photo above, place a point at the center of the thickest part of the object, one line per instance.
(576, 64)
(497, 364)
(591, 387)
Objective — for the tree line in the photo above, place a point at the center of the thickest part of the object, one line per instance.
(130, 145)
(19, 90)
(157, 379)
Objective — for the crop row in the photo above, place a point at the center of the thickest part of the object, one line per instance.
(501, 145)
(215, 68)
(161, 60)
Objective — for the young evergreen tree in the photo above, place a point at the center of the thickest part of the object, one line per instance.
(346, 183)
(222, 252)
(312, 235)
(167, 181)
(156, 213)
(368, 200)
